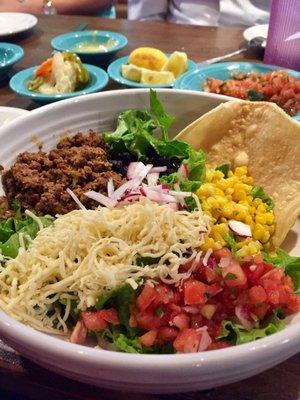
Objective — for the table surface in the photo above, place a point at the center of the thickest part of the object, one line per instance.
(27, 379)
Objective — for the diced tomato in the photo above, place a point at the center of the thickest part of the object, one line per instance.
(166, 334)
(233, 274)
(148, 338)
(221, 253)
(213, 289)
(146, 297)
(109, 315)
(196, 320)
(181, 321)
(187, 341)
(93, 320)
(260, 310)
(163, 294)
(79, 333)
(211, 275)
(255, 271)
(148, 320)
(194, 292)
(257, 295)
(218, 345)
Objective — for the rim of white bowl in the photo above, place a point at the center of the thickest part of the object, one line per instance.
(24, 335)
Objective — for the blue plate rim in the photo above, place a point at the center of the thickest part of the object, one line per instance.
(205, 68)
(17, 56)
(120, 46)
(102, 81)
(125, 82)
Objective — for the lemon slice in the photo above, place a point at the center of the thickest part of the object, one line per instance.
(148, 57)
(131, 72)
(157, 77)
(177, 63)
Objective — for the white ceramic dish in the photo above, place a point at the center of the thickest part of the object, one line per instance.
(133, 372)
(256, 30)
(8, 114)
(12, 23)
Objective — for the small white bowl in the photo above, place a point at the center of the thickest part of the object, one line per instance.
(132, 372)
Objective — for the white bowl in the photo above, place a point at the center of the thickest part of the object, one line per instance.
(113, 370)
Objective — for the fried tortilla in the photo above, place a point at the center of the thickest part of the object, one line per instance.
(263, 137)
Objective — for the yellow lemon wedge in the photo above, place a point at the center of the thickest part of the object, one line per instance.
(157, 77)
(131, 72)
(148, 57)
(177, 63)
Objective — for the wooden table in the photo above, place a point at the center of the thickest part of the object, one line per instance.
(27, 379)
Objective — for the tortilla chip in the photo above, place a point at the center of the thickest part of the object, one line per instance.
(263, 137)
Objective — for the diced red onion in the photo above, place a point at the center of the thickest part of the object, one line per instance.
(191, 310)
(110, 187)
(134, 168)
(75, 198)
(205, 340)
(100, 198)
(159, 197)
(239, 228)
(152, 178)
(159, 169)
(158, 188)
(243, 316)
(117, 194)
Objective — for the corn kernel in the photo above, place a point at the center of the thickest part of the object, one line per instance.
(229, 198)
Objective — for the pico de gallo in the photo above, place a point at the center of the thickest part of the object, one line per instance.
(224, 302)
(277, 86)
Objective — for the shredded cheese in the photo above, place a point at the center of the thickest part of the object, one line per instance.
(86, 253)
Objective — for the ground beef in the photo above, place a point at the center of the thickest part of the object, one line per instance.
(39, 180)
(5, 211)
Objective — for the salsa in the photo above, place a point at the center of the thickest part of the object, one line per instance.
(194, 315)
(277, 86)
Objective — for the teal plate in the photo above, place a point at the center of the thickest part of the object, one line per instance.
(114, 71)
(195, 80)
(18, 83)
(69, 41)
(9, 55)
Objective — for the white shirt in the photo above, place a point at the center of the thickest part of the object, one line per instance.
(202, 12)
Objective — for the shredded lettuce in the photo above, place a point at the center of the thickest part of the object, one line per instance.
(291, 265)
(125, 344)
(120, 299)
(135, 133)
(258, 192)
(164, 120)
(230, 242)
(224, 168)
(237, 334)
(11, 228)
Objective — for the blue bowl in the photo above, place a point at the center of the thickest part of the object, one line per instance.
(195, 80)
(18, 83)
(69, 42)
(9, 55)
(114, 72)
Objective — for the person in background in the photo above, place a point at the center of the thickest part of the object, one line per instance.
(80, 7)
(202, 12)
